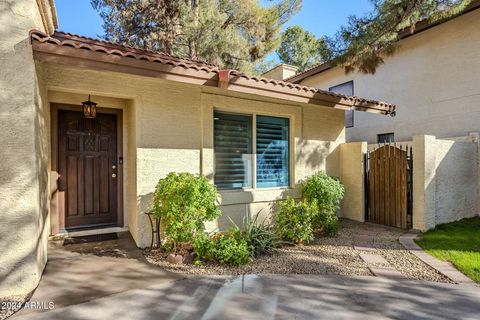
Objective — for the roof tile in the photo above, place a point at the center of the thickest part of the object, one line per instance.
(95, 45)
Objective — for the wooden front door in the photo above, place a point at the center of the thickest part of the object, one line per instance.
(87, 165)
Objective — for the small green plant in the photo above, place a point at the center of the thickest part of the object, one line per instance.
(228, 247)
(184, 202)
(294, 221)
(261, 237)
(326, 192)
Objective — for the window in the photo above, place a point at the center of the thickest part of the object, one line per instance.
(233, 151)
(272, 152)
(235, 157)
(385, 137)
(346, 89)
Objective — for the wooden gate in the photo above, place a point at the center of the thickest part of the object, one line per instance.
(388, 185)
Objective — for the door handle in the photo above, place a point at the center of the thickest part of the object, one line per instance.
(114, 175)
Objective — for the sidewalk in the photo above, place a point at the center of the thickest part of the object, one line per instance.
(80, 273)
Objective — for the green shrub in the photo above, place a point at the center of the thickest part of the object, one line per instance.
(184, 202)
(228, 247)
(294, 221)
(260, 237)
(326, 192)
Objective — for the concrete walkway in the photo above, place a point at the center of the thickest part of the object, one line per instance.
(111, 280)
(281, 297)
(85, 272)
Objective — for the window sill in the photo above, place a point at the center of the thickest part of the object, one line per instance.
(246, 196)
(253, 189)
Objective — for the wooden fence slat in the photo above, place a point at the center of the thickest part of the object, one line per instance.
(404, 190)
(387, 196)
(371, 186)
(398, 198)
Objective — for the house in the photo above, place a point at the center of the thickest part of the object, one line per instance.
(89, 127)
(433, 76)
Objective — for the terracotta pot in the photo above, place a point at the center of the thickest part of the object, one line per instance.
(175, 258)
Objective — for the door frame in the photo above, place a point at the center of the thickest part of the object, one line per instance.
(57, 202)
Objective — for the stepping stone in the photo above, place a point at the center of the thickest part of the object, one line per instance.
(386, 272)
(373, 258)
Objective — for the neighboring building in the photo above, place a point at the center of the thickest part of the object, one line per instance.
(63, 170)
(433, 77)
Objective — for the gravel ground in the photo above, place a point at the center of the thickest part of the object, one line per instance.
(325, 256)
(10, 305)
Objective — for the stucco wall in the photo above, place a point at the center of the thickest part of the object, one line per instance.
(456, 180)
(445, 181)
(352, 176)
(433, 79)
(24, 185)
(173, 131)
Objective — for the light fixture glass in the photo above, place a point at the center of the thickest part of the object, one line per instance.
(89, 108)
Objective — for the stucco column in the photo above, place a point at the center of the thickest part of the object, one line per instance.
(352, 176)
(424, 167)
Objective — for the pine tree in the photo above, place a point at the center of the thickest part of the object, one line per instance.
(301, 48)
(235, 34)
(365, 41)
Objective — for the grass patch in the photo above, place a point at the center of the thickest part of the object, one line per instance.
(457, 242)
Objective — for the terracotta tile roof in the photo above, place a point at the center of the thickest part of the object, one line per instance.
(405, 33)
(285, 84)
(81, 42)
(64, 39)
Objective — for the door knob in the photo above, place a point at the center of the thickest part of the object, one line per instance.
(114, 175)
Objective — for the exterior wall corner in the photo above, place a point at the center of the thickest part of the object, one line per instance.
(424, 168)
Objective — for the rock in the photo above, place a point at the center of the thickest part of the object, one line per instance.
(188, 258)
(175, 258)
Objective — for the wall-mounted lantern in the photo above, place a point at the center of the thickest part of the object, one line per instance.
(89, 109)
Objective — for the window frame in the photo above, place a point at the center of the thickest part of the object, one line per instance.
(253, 135)
(385, 134)
(352, 94)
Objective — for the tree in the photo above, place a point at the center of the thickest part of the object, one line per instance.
(301, 48)
(365, 41)
(229, 33)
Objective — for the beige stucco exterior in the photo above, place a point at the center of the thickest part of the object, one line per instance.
(445, 180)
(433, 79)
(169, 127)
(352, 175)
(24, 120)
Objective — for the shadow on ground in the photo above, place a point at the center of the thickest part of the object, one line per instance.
(282, 297)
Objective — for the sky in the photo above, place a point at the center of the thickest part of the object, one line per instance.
(321, 17)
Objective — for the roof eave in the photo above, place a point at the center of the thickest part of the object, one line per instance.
(97, 60)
